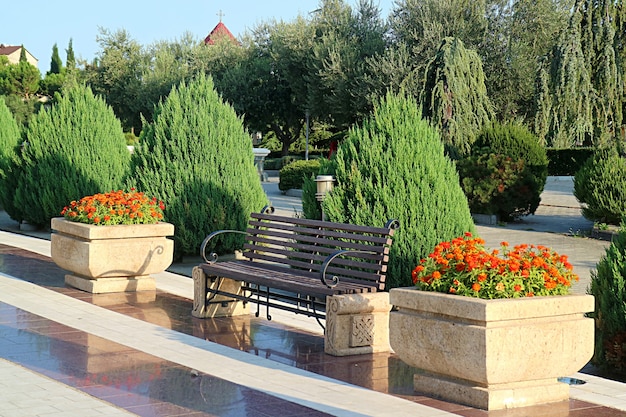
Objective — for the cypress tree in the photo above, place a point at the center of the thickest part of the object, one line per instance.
(454, 97)
(55, 62)
(393, 166)
(70, 61)
(74, 149)
(23, 55)
(580, 84)
(9, 142)
(197, 158)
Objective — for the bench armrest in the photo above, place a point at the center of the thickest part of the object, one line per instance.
(332, 282)
(213, 256)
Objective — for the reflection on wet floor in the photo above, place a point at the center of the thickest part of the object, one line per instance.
(149, 386)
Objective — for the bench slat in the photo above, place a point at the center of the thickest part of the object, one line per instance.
(324, 224)
(275, 229)
(280, 278)
(305, 266)
(287, 239)
(354, 259)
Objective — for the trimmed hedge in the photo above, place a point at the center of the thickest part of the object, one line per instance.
(567, 161)
(293, 175)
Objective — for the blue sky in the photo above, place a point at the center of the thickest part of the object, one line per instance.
(39, 24)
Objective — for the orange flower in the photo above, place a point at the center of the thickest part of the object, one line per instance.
(464, 265)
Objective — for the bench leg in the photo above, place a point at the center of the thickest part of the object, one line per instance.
(218, 305)
(357, 324)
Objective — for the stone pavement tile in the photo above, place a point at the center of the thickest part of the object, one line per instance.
(26, 393)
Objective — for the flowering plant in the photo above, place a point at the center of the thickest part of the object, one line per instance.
(115, 207)
(464, 267)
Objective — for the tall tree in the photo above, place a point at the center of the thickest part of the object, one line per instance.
(455, 98)
(267, 82)
(117, 77)
(70, 60)
(23, 55)
(423, 24)
(519, 33)
(581, 84)
(56, 65)
(344, 40)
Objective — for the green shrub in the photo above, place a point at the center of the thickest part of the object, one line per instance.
(197, 158)
(608, 286)
(491, 183)
(394, 167)
(273, 164)
(293, 175)
(9, 143)
(522, 187)
(74, 149)
(601, 186)
(567, 161)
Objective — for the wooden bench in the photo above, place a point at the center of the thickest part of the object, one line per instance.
(317, 268)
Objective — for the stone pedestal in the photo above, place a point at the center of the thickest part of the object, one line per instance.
(357, 324)
(218, 305)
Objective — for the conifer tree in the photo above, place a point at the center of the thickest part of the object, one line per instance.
(23, 55)
(74, 149)
(55, 62)
(9, 142)
(70, 61)
(394, 167)
(197, 158)
(580, 85)
(454, 98)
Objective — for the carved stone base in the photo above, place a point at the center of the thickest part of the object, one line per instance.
(111, 284)
(357, 324)
(219, 305)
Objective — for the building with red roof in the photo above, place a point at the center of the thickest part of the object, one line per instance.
(220, 31)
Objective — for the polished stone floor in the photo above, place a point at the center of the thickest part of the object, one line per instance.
(150, 386)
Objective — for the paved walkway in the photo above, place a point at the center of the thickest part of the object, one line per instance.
(23, 392)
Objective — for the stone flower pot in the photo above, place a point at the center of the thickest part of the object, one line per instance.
(491, 354)
(106, 259)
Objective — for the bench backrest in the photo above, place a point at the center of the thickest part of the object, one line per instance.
(305, 244)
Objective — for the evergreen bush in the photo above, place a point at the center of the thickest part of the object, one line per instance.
(197, 158)
(74, 149)
(608, 286)
(9, 143)
(488, 180)
(293, 175)
(394, 167)
(601, 186)
(518, 183)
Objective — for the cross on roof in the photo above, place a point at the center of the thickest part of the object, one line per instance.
(220, 14)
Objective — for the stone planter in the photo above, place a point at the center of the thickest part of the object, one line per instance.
(106, 259)
(491, 354)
